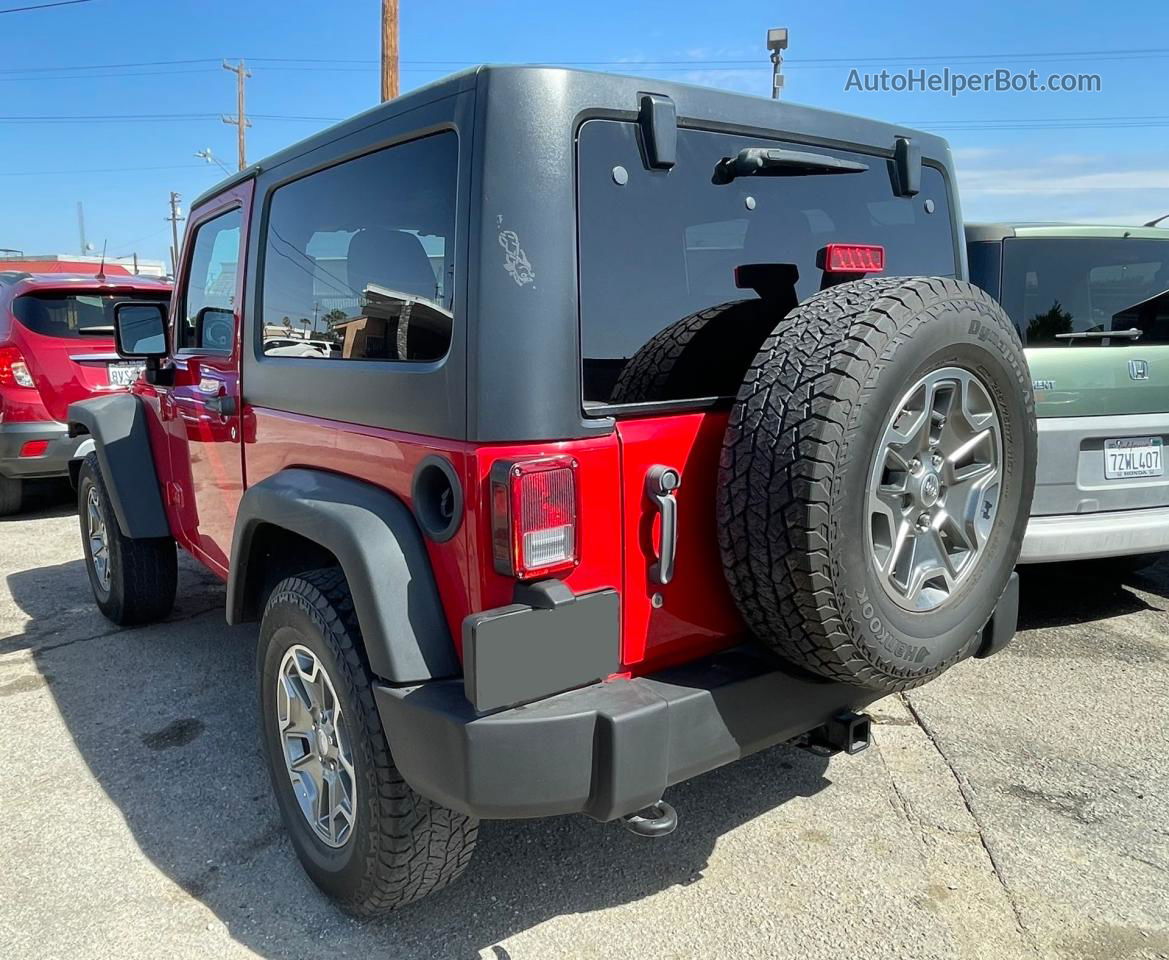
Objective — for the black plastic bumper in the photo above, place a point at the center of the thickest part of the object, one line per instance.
(54, 462)
(611, 748)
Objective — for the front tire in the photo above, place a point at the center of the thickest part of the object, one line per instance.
(133, 579)
(362, 834)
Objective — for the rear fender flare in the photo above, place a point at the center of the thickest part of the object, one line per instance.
(381, 551)
(121, 440)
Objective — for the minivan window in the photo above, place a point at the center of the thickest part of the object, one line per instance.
(1056, 286)
(207, 321)
(72, 315)
(658, 248)
(359, 258)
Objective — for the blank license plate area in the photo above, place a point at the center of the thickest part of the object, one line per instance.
(124, 374)
(1132, 457)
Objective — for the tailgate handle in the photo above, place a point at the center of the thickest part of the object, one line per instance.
(660, 484)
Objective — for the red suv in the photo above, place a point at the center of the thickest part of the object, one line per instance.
(56, 347)
(637, 427)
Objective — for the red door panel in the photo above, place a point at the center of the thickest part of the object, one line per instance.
(201, 410)
(694, 613)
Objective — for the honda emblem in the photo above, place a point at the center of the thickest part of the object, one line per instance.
(1138, 369)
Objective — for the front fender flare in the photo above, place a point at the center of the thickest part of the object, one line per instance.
(121, 440)
(380, 549)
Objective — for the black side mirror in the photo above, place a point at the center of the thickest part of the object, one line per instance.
(140, 329)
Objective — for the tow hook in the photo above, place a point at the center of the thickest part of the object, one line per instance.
(657, 820)
(845, 733)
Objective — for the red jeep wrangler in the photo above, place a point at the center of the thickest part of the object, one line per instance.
(56, 347)
(637, 427)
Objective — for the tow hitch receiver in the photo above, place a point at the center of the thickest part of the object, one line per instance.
(657, 820)
(845, 733)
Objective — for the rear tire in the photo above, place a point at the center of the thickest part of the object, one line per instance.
(133, 579)
(812, 553)
(397, 846)
(11, 495)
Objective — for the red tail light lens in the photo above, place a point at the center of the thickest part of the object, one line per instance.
(13, 369)
(854, 258)
(534, 514)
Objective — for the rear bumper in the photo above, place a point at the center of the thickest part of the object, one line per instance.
(54, 462)
(611, 748)
(1069, 478)
(1092, 536)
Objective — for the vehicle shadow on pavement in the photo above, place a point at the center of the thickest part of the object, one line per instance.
(170, 736)
(1058, 595)
(45, 498)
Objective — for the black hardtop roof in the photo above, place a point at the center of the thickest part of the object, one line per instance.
(529, 86)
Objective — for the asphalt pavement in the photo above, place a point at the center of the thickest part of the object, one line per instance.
(1017, 807)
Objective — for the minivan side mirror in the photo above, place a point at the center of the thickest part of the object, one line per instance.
(140, 329)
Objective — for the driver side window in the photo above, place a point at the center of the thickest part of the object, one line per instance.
(207, 321)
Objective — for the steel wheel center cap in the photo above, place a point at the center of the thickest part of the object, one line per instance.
(931, 489)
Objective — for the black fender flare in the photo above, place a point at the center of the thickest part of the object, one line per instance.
(380, 549)
(121, 439)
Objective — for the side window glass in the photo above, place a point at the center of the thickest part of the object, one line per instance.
(207, 320)
(359, 258)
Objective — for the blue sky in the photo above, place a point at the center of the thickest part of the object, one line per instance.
(1020, 155)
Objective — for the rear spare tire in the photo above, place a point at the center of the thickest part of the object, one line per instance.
(876, 479)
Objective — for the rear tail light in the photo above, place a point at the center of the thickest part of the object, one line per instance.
(853, 258)
(13, 369)
(535, 516)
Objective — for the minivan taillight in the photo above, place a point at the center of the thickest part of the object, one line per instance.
(534, 516)
(13, 369)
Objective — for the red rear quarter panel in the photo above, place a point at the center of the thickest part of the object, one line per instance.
(466, 579)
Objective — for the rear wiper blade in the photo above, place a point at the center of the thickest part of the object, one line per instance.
(1132, 333)
(772, 162)
(100, 331)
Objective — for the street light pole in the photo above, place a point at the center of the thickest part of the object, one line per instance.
(176, 214)
(776, 43)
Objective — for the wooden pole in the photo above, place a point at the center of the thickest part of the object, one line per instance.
(389, 49)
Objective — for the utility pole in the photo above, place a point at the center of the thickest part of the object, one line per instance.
(389, 49)
(81, 225)
(176, 214)
(776, 43)
(240, 121)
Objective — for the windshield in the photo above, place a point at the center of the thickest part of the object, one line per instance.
(1066, 291)
(658, 249)
(71, 315)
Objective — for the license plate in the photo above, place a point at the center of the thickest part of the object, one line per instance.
(124, 374)
(1132, 457)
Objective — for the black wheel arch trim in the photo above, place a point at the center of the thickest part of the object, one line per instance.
(379, 547)
(121, 439)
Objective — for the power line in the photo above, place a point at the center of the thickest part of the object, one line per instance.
(1135, 53)
(44, 6)
(47, 173)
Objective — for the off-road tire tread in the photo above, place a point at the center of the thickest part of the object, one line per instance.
(419, 846)
(148, 566)
(787, 433)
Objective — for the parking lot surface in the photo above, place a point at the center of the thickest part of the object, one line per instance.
(1015, 808)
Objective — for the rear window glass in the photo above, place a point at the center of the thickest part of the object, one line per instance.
(359, 258)
(1058, 289)
(658, 248)
(72, 315)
